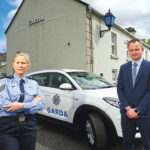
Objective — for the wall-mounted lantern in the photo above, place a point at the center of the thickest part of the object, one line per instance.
(109, 19)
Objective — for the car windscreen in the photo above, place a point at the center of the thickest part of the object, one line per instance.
(88, 80)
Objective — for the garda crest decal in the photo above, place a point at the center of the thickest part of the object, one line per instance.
(56, 99)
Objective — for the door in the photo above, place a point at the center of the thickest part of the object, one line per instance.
(60, 102)
(43, 81)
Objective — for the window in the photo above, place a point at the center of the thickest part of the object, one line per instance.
(146, 55)
(114, 74)
(113, 44)
(127, 54)
(56, 79)
(87, 80)
(41, 78)
(126, 42)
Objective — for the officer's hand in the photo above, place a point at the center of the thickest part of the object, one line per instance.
(36, 99)
(14, 107)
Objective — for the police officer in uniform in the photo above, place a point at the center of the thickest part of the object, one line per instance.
(20, 99)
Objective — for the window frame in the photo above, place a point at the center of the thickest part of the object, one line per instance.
(113, 44)
(37, 74)
(146, 55)
(116, 74)
(50, 78)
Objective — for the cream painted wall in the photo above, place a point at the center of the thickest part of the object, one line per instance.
(46, 42)
(103, 62)
(65, 22)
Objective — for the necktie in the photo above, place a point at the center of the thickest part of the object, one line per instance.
(134, 73)
(22, 90)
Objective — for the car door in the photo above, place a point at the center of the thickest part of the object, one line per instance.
(43, 81)
(60, 102)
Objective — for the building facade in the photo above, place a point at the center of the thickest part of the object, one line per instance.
(2, 64)
(110, 51)
(65, 34)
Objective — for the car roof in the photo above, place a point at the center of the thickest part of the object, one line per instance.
(58, 70)
(74, 70)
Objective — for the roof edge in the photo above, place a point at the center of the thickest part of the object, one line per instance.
(22, 4)
(84, 3)
(98, 14)
(94, 11)
(14, 16)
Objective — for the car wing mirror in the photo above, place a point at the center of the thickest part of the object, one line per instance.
(66, 86)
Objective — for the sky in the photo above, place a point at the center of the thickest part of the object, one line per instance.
(128, 13)
(7, 10)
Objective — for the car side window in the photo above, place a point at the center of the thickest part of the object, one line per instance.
(41, 78)
(56, 79)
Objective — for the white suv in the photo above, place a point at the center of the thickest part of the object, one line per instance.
(83, 99)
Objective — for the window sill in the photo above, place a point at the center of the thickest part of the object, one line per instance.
(114, 57)
(114, 83)
(2, 64)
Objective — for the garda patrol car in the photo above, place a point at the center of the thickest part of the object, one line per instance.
(83, 99)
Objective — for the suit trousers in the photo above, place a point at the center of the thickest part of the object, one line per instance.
(129, 130)
(17, 135)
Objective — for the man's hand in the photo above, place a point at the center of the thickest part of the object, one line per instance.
(131, 113)
(36, 99)
(14, 107)
(127, 108)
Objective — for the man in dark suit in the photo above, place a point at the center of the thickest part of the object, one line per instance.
(134, 93)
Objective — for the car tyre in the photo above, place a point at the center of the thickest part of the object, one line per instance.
(95, 131)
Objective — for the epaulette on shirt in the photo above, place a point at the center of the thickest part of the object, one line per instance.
(2, 87)
(9, 77)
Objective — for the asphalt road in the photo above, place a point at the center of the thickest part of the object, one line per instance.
(54, 137)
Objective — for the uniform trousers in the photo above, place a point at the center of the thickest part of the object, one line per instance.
(129, 130)
(17, 135)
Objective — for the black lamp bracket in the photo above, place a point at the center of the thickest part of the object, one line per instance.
(102, 32)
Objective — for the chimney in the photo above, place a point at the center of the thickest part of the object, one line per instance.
(131, 30)
(144, 40)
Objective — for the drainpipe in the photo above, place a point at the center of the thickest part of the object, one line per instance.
(91, 39)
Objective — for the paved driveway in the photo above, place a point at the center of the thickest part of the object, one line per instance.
(54, 137)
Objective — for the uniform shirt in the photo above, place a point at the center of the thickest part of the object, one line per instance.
(10, 92)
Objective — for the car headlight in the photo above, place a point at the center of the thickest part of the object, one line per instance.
(112, 101)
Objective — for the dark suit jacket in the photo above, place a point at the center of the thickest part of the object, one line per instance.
(139, 96)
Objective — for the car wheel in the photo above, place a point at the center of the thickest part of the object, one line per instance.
(95, 131)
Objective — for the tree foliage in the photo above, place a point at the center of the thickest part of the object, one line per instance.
(148, 42)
